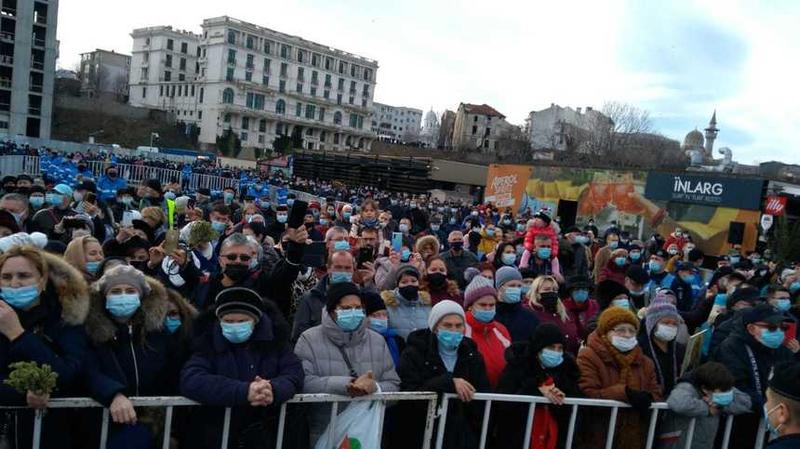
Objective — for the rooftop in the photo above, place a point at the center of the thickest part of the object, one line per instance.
(482, 109)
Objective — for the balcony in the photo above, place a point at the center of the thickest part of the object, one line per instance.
(40, 19)
(34, 111)
(5, 107)
(7, 36)
(36, 88)
(38, 42)
(8, 11)
(38, 65)
(5, 83)
(7, 59)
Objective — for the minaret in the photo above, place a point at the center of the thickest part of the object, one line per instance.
(711, 135)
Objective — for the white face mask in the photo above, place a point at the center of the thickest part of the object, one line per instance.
(623, 344)
(666, 332)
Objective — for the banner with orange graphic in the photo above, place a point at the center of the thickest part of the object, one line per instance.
(506, 184)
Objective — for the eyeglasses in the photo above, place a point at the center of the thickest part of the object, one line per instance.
(773, 327)
(235, 257)
(624, 330)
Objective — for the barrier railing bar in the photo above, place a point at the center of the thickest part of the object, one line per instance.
(380, 421)
(529, 426)
(651, 431)
(726, 438)
(690, 433)
(571, 429)
(429, 419)
(37, 429)
(104, 429)
(485, 426)
(612, 425)
(442, 421)
(332, 425)
(226, 428)
(167, 427)
(281, 424)
(760, 436)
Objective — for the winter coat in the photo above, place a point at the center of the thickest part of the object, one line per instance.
(517, 319)
(492, 340)
(522, 376)
(54, 335)
(600, 379)
(601, 260)
(449, 291)
(488, 244)
(219, 374)
(406, 316)
(785, 442)
(326, 369)
(683, 293)
(613, 272)
(686, 402)
(422, 369)
(530, 237)
(457, 264)
(574, 259)
(309, 309)
(581, 315)
(107, 188)
(547, 268)
(569, 327)
(668, 364)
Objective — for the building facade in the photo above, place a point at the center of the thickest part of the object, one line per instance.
(257, 83)
(396, 124)
(104, 73)
(28, 51)
(430, 129)
(445, 140)
(478, 126)
(556, 127)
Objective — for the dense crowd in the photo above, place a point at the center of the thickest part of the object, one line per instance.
(145, 290)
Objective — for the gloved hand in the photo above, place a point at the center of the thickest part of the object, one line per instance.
(639, 400)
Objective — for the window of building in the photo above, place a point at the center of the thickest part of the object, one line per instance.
(352, 99)
(144, 73)
(337, 118)
(232, 37)
(245, 122)
(285, 50)
(229, 74)
(368, 74)
(365, 90)
(488, 132)
(182, 63)
(181, 77)
(327, 80)
(251, 61)
(353, 120)
(363, 102)
(301, 74)
(170, 43)
(280, 107)
(352, 87)
(227, 118)
(231, 56)
(475, 119)
(200, 98)
(336, 139)
(298, 110)
(474, 130)
(184, 47)
(248, 76)
(301, 55)
(486, 143)
(243, 136)
(265, 80)
(282, 86)
(227, 95)
(144, 92)
(314, 77)
(161, 90)
(193, 90)
(341, 67)
(167, 76)
(260, 138)
(328, 63)
(311, 111)
(313, 91)
(199, 115)
(267, 63)
(353, 70)
(145, 56)
(326, 94)
(249, 42)
(314, 59)
(255, 101)
(339, 99)
(310, 133)
(172, 93)
(180, 90)
(300, 88)
(284, 69)
(322, 114)
(168, 62)
(262, 126)
(341, 83)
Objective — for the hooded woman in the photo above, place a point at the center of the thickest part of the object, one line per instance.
(613, 366)
(408, 307)
(241, 360)
(538, 367)
(616, 267)
(43, 308)
(436, 284)
(86, 254)
(658, 341)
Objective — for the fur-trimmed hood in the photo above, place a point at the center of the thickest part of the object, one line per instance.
(70, 287)
(390, 298)
(101, 328)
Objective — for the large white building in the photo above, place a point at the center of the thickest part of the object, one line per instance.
(256, 82)
(556, 128)
(104, 73)
(396, 123)
(28, 51)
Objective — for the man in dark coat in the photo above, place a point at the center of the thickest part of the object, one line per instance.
(783, 406)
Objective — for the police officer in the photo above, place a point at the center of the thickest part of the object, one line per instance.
(782, 410)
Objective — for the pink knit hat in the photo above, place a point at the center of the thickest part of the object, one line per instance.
(478, 288)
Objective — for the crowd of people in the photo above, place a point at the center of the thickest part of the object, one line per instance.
(246, 300)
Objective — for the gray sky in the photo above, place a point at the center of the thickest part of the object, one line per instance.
(679, 60)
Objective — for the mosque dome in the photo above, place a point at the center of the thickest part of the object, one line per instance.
(693, 140)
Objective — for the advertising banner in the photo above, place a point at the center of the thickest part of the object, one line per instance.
(713, 190)
(506, 184)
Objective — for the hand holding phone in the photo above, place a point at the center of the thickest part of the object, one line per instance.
(127, 219)
(297, 215)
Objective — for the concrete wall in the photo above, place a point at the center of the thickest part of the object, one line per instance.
(109, 108)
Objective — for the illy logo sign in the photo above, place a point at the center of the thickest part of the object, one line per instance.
(775, 205)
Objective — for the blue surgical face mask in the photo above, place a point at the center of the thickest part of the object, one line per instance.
(544, 253)
(512, 295)
(490, 233)
(484, 316)
(281, 218)
(36, 201)
(582, 239)
(613, 244)
(170, 195)
(449, 340)
(403, 227)
(379, 325)
(722, 398)
(655, 266)
(580, 296)
(688, 278)
(323, 221)
(520, 227)
(93, 266)
(508, 258)
(20, 298)
(338, 277)
(452, 221)
(172, 324)
(735, 259)
(783, 304)
(721, 299)
(290, 202)
(227, 196)
(54, 199)
(635, 256)
(349, 320)
(525, 289)
(265, 204)
(341, 245)
(774, 431)
(346, 215)
(794, 287)
(551, 358)
(772, 339)
(435, 227)
(219, 226)
(621, 261)
(624, 303)
(123, 305)
(405, 255)
(237, 332)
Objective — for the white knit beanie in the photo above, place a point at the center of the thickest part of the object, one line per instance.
(441, 310)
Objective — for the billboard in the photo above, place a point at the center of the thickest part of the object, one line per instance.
(506, 184)
(711, 189)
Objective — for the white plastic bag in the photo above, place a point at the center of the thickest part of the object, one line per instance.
(356, 428)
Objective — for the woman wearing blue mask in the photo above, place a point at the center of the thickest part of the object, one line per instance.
(538, 367)
(378, 317)
(491, 337)
(341, 356)
(242, 359)
(85, 254)
(520, 321)
(581, 306)
(43, 305)
(504, 256)
(130, 349)
(441, 359)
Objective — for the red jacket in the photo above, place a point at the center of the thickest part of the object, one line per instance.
(613, 272)
(581, 314)
(548, 230)
(492, 340)
(568, 328)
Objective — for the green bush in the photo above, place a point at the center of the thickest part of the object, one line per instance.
(29, 376)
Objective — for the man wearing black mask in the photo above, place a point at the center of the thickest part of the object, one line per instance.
(458, 260)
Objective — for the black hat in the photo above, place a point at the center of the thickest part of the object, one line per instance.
(578, 281)
(143, 226)
(372, 303)
(637, 274)
(607, 290)
(762, 312)
(543, 216)
(785, 380)
(338, 291)
(744, 264)
(24, 177)
(7, 179)
(695, 254)
(111, 167)
(7, 220)
(238, 300)
(87, 185)
(748, 294)
(662, 254)
(282, 208)
(546, 334)
(685, 266)
(204, 191)
(154, 184)
(55, 247)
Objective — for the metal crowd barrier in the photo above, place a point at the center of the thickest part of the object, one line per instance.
(171, 402)
(575, 403)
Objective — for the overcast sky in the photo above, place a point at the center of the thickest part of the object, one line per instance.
(679, 60)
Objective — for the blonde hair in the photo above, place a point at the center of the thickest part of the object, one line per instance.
(34, 255)
(534, 297)
(75, 254)
(155, 214)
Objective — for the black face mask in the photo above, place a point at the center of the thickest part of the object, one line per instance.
(140, 265)
(409, 292)
(549, 300)
(437, 280)
(112, 175)
(236, 272)
(457, 246)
